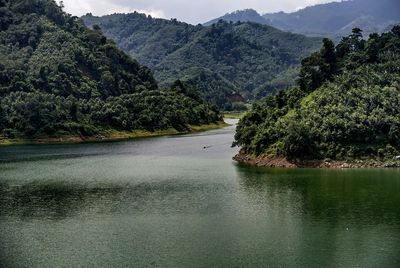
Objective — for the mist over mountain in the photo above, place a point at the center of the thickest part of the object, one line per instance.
(246, 58)
(334, 19)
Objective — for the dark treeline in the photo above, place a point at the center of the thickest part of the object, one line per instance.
(346, 104)
(58, 77)
(252, 59)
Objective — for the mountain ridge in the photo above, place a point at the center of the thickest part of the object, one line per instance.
(327, 20)
(249, 55)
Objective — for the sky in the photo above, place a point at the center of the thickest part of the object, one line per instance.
(190, 11)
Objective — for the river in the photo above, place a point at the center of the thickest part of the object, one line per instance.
(181, 201)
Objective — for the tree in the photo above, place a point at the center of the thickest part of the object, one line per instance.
(319, 67)
(350, 44)
(310, 76)
(3, 3)
(372, 48)
(298, 141)
(396, 30)
(97, 28)
(328, 55)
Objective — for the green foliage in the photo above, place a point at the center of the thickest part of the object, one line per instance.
(220, 59)
(213, 87)
(58, 77)
(347, 105)
(319, 67)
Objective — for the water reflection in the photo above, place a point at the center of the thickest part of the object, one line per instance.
(356, 196)
(168, 202)
(58, 201)
(338, 218)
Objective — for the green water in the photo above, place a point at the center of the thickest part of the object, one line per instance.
(168, 202)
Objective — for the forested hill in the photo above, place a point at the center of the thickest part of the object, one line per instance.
(58, 77)
(334, 20)
(250, 58)
(347, 105)
(245, 15)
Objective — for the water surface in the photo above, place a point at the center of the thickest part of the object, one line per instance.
(170, 202)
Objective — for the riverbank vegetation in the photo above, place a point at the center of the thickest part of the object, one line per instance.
(59, 78)
(109, 135)
(346, 105)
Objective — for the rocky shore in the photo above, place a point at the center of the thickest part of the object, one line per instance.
(281, 162)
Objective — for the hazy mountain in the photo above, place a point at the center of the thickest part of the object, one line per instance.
(247, 57)
(334, 19)
(247, 15)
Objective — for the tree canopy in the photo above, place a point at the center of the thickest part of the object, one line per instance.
(58, 77)
(347, 104)
(247, 58)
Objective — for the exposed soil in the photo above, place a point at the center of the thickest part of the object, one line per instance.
(281, 162)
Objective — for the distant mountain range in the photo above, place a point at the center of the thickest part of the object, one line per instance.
(220, 60)
(335, 19)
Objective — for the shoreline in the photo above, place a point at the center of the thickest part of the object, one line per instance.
(110, 136)
(233, 115)
(281, 162)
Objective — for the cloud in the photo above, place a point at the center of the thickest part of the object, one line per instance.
(98, 7)
(192, 11)
(152, 12)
